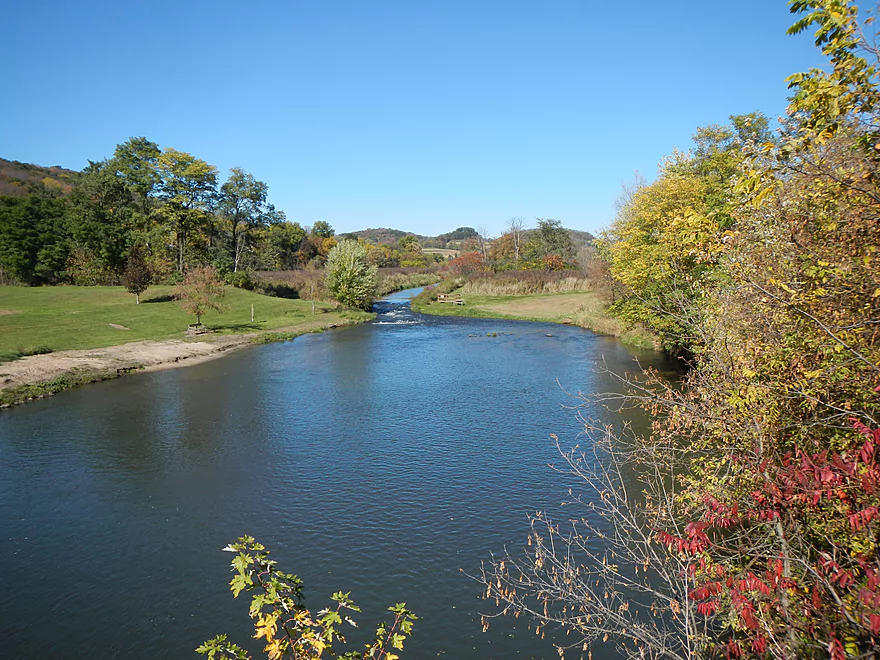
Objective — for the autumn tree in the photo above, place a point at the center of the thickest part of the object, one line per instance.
(467, 264)
(350, 279)
(664, 246)
(187, 188)
(137, 276)
(745, 524)
(200, 292)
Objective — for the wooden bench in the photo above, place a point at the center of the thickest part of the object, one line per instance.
(444, 298)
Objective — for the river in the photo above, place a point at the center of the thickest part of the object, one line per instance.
(382, 459)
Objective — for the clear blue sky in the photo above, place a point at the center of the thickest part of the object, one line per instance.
(423, 115)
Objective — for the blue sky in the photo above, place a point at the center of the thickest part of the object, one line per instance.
(421, 115)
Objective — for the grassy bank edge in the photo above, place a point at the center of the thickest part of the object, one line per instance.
(12, 396)
(595, 320)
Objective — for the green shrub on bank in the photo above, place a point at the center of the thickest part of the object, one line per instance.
(14, 395)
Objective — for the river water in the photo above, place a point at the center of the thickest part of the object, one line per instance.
(385, 459)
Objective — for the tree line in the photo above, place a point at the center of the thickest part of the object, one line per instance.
(168, 205)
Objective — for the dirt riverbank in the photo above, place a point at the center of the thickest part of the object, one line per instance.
(38, 376)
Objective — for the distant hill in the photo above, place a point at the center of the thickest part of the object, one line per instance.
(381, 236)
(452, 239)
(20, 179)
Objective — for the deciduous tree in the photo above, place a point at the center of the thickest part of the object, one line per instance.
(137, 276)
(350, 279)
(187, 188)
(200, 292)
(244, 206)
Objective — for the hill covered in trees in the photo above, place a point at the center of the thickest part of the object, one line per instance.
(21, 179)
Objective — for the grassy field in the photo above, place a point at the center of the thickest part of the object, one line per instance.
(449, 254)
(582, 308)
(48, 319)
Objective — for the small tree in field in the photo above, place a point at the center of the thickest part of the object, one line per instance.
(200, 292)
(137, 276)
(350, 279)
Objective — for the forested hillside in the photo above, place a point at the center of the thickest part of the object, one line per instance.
(20, 179)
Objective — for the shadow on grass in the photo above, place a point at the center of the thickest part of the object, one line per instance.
(237, 327)
(158, 299)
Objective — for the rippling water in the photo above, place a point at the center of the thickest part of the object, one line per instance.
(382, 459)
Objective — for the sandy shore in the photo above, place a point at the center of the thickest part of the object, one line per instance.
(128, 358)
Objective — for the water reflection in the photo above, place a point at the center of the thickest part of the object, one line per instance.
(380, 459)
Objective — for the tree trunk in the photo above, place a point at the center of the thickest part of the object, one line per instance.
(137, 299)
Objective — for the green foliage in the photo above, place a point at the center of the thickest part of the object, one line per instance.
(322, 229)
(291, 630)
(350, 279)
(550, 239)
(34, 239)
(460, 234)
(187, 188)
(244, 207)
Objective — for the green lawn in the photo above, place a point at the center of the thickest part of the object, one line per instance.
(43, 319)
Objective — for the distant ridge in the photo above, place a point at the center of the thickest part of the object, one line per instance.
(387, 236)
(21, 179)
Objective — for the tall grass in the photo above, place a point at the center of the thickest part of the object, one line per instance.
(520, 283)
(389, 282)
(310, 284)
(303, 284)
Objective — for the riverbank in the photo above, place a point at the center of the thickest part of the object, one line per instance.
(39, 376)
(55, 338)
(582, 308)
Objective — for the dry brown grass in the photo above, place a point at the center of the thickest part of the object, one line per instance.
(525, 282)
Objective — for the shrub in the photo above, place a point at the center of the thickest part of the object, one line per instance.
(241, 280)
(349, 278)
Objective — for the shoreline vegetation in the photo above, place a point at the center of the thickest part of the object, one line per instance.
(569, 300)
(56, 338)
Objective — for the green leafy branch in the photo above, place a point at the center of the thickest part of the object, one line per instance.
(289, 628)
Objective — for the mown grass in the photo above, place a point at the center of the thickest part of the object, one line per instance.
(582, 308)
(47, 319)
